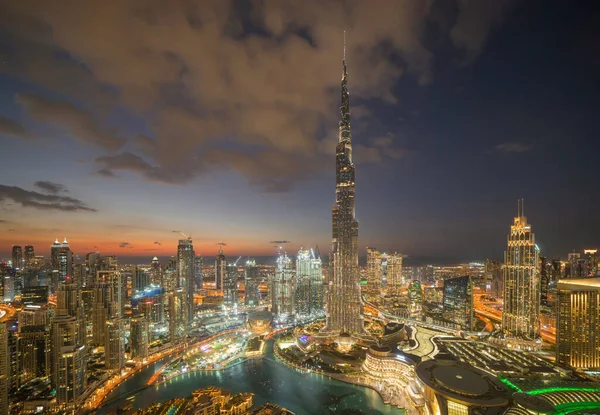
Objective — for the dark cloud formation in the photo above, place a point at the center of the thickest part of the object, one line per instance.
(29, 198)
(13, 128)
(50, 187)
(125, 245)
(252, 92)
(513, 147)
(157, 243)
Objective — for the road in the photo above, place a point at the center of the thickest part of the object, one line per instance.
(6, 312)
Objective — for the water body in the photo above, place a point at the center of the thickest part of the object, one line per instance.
(269, 380)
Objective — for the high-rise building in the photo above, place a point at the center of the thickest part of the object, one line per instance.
(308, 284)
(186, 274)
(521, 314)
(458, 301)
(494, 278)
(220, 269)
(344, 311)
(64, 261)
(393, 274)
(198, 275)
(230, 286)
(177, 315)
(4, 368)
(591, 259)
(113, 345)
(415, 298)
(251, 283)
(29, 256)
(141, 279)
(92, 266)
(282, 288)
(33, 344)
(578, 331)
(17, 257)
(139, 334)
(108, 303)
(35, 295)
(68, 359)
(374, 272)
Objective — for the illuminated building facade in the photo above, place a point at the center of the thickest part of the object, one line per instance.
(374, 271)
(521, 314)
(108, 303)
(177, 315)
(17, 257)
(344, 309)
(139, 337)
(308, 284)
(578, 332)
(494, 278)
(220, 269)
(282, 288)
(230, 286)
(393, 274)
(29, 256)
(114, 347)
(251, 283)
(33, 344)
(591, 258)
(198, 275)
(156, 276)
(141, 279)
(458, 301)
(186, 274)
(4, 368)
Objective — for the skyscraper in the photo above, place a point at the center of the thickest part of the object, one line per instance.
(17, 257)
(198, 263)
(177, 315)
(393, 274)
(521, 314)
(139, 336)
(29, 256)
(220, 269)
(344, 305)
(4, 368)
(544, 280)
(458, 301)
(308, 284)
(578, 331)
(113, 344)
(374, 272)
(108, 303)
(282, 288)
(186, 275)
(251, 283)
(156, 276)
(230, 286)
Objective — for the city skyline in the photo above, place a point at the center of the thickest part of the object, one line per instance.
(445, 118)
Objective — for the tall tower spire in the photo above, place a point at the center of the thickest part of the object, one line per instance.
(344, 303)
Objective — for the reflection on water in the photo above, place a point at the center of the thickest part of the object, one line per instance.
(270, 381)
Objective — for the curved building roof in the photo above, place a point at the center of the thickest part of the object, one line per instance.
(463, 383)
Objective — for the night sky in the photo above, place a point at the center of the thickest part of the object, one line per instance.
(124, 122)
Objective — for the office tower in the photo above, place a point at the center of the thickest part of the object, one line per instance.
(9, 285)
(139, 332)
(4, 368)
(68, 359)
(33, 316)
(64, 261)
(374, 272)
(29, 258)
(308, 284)
(177, 315)
(141, 279)
(113, 345)
(108, 303)
(230, 286)
(68, 303)
(220, 269)
(33, 344)
(578, 331)
(556, 271)
(186, 275)
(344, 305)
(393, 274)
(521, 314)
(282, 289)
(251, 283)
(198, 263)
(156, 276)
(415, 298)
(92, 265)
(54, 250)
(109, 263)
(17, 257)
(170, 276)
(494, 278)
(591, 259)
(458, 301)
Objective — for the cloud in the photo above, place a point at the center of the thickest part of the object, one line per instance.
(513, 147)
(50, 187)
(13, 128)
(266, 99)
(157, 243)
(76, 122)
(125, 245)
(29, 198)
(4, 221)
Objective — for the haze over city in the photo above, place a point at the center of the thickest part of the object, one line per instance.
(123, 125)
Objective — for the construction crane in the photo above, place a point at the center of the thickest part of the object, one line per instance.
(236, 262)
(280, 245)
(188, 237)
(222, 244)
